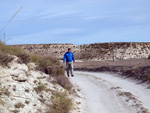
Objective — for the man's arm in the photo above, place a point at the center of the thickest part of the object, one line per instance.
(64, 59)
(73, 57)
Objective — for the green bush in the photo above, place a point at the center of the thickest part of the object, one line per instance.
(61, 103)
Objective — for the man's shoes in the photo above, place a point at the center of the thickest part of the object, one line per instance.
(71, 76)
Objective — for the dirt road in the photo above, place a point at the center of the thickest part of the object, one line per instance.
(107, 93)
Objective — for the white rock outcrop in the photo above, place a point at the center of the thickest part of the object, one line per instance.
(18, 94)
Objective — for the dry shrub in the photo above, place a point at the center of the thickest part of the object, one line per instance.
(40, 88)
(10, 50)
(16, 51)
(149, 57)
(61, 103)
(15, 111)
(55, 70)
(19, 105)
(5, 59)
(148, 78)
(34, 58)
(4, 48)
(60, 70)
(52, 67)
(24, 57)
(47, 61)
(49, 65)
(63, 81)
(2, 102)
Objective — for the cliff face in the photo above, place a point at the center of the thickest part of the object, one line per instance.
(97, 51)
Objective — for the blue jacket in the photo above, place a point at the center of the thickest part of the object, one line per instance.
(68, 57)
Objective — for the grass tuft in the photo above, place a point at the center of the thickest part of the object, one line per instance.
(40, 88)
(6, 53)
(61, 103)
(24, 58)
(19, 105)
(5, 59)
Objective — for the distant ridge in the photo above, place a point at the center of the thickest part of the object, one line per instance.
(95, 51)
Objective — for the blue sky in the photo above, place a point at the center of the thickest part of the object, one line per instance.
(75, 21)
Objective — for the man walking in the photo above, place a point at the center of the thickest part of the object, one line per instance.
(69, 59)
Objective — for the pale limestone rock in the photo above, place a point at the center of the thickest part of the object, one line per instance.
(23, 91)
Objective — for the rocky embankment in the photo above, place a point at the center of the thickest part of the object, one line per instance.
(97, 51)
(27, 90)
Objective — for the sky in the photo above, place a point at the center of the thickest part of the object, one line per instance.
(75, 21)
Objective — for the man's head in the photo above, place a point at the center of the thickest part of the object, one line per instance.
(69, 50)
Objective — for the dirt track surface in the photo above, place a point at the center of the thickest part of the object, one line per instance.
(138, 69)
(107, 93)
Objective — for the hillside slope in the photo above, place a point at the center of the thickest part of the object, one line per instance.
(26, 90)
(97, 51)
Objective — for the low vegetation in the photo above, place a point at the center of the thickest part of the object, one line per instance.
(15, 111)
(6, 53)
(61, 103)
(24, 57)
(19, 105)
(5, 59)
(2, 102)
(49, 65)
(64, 82)
(40, 88)
(149, 57)
(52, 67)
